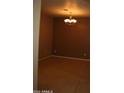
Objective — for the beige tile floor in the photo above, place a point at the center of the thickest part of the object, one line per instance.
(64, 75)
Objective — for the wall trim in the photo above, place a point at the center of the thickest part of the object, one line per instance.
(72, 58)
(44, 58)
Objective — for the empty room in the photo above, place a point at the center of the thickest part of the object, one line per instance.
(64, 46)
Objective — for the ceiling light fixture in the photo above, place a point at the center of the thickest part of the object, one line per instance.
(70, 20)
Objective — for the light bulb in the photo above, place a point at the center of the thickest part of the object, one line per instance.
(73, 20)
(66, 20)
(70, 21)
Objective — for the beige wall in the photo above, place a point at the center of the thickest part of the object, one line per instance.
(36, 26)
(69, 41)
(46, 36)
(74, 40)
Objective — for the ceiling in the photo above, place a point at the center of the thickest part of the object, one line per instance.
(78, 8)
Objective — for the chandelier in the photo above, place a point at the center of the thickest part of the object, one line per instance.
(70, 20)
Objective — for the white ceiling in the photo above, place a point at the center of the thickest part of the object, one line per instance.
(64, 7)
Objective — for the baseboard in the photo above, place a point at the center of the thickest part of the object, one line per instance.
(72, 58)
(44, 58)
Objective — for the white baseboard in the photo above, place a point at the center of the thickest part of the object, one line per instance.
(72, 58)
(44, 58)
